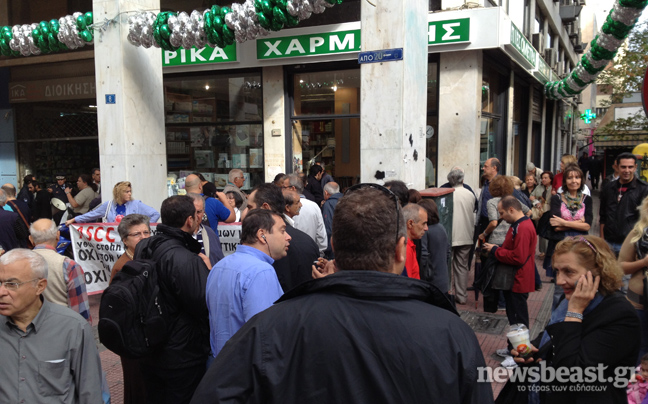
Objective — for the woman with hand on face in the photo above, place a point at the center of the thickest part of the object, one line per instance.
(593, 326)
(115, 209)
(633, 258)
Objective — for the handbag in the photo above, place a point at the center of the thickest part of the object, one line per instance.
(546, 230)
(504, 275)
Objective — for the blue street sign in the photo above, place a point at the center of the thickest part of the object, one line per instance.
(110, 98)
(385, 55)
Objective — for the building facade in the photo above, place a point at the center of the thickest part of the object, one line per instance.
(283, 102)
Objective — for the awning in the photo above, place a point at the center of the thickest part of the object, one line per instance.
(625, 140)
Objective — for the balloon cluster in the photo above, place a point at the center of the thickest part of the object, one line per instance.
(617, 26)
(221, 26)
(69, 32)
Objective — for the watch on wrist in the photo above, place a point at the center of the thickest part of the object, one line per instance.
(574, 315)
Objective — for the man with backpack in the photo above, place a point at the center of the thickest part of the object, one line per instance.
(172, 374)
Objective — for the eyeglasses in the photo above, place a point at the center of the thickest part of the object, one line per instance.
(139, 234)
(13, 286)
(385, 191)
(584, 240)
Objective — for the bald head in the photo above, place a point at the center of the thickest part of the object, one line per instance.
(44, 231)
(193, 184)
(9, 190)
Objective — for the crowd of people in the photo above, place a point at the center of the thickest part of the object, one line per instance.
(325, 280)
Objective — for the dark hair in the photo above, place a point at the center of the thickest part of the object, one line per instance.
(290, 196)
(432, 210)
(500, 186)
(279, 179)
(128, 221)
(573, 168)
(176, 209)
(496, 164)
(88, 180)
(547, 172)
(255, 220)
(314, 170)
(39, 184)
(28, 179)
(625, 155)
(364, 230)
(238, 201)
(400, 189)
(200, 176)
(511, 202)
(414, 196)
(270, 194)
(94, 170)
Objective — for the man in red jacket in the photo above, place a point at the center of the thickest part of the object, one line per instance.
(518, 249)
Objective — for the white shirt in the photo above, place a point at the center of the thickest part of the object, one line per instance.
(310, 221)
(586, 191)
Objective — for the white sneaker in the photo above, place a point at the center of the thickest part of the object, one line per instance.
(509, 363)
(504, 352)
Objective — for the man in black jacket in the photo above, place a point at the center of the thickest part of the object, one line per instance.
(294, 268)
(361, 335)
(619, 202)
(171, 375)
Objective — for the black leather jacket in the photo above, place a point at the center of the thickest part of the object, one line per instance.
(620, 216)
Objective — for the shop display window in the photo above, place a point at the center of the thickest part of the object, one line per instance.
(326, 123)
(213, 125)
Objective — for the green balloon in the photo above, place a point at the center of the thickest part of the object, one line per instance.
(53, 23)
(54, 47)
(6, 29)
(88, 18)
(292, 21)
(276, 25)
(258, 6)
(4, 45)
(51, 38)
(266, 7)
(8, 35)
(228, 35)
(85, 35)
(80, 23)
(35, 34)
(165, 32)
(282, 4)
(225, 11)
(279, 15)
(263, 20)
(215, 10)
(45, 30)
(42, 45)
(217, 24)
(55, 29)
(42, 24)
(15, 53)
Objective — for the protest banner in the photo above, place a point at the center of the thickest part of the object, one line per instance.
(97, 246)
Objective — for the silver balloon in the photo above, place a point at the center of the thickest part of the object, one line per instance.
(175, 39)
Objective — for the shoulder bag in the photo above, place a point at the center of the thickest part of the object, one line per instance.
(504, 275)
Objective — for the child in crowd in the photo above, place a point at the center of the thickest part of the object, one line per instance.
(638, 387)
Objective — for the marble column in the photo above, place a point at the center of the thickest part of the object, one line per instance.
(130, 107)
(393, 94)
(274, 128)
(460, 92)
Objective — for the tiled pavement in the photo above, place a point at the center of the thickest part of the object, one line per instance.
(539, 312)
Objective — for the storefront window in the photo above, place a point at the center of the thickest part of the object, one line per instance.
(215, 124)
(326, 123)
(57, 139)
(493, 97)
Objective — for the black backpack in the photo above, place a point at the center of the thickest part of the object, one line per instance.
(133, 319)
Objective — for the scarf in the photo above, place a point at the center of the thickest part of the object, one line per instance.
(573, 203)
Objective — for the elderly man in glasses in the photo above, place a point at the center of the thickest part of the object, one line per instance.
(66, 282)
(47, 351)
(364, 334)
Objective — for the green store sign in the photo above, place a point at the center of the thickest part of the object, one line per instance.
(522, 45)
(196, 56)
(450, 31)
(309, 45)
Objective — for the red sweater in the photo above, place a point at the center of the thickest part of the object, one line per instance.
(518, 250)
(411, 264)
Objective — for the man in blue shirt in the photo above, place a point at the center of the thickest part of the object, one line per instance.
(245, 283)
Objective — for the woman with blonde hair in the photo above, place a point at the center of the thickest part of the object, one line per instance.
(633, 258)
(565, 160)
(594, 326)
(121, 205)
